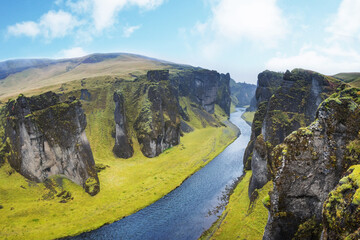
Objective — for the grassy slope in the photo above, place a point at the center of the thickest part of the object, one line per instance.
(352, 78)
(35, 78)
(248, 117)
(127, 185)
(239, 221)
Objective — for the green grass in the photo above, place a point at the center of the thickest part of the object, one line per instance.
(240, 220)
(248, 117)
(127, 185)
(32, 211)
(352, 78)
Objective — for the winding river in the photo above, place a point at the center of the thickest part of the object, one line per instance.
(191, 208)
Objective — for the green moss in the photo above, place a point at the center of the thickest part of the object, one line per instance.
(310, 229)
(92, 186)
(342, 208)
(266, 201)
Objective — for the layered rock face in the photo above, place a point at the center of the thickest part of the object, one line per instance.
(47, 137)
(308, 165)
(123, 144)
(268, 83)
(292, 105)
(158, 123)
(204, 87)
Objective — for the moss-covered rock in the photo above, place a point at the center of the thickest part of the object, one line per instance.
(293, 104)
(158, 123)
(204, 87)
(308, 165)
(47, 137)
(341, 210)
(268, 83)
(123, 144)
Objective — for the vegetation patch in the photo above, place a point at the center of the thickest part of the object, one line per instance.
(248, 117)
(240, 220)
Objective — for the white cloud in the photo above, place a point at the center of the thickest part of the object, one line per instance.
(346, 23)
(235, 22)
(57, 24)
(81, 6)
(72, 53)
(129, 30)
(256, 20)
(51, 25)
(340, 52)
(30, 29)
(327, 60)
(105, 11)
(95, 16)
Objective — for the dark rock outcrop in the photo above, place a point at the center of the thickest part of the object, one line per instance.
(291, 106)
(123, 144)
(268, 83)
(85, 95)
(308, 165)
(158, 123)
(242, 93)
(204, 87)
(47, 137)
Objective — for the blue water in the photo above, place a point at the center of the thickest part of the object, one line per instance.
(184, 212)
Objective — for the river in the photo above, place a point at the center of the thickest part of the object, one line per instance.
(185, 212)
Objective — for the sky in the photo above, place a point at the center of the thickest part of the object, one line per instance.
(242, 37)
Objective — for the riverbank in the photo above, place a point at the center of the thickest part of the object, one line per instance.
(241, 220)
(31, 211)
(248, 117)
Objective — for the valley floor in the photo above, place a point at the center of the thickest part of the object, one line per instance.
(241, 220)
(61, 208)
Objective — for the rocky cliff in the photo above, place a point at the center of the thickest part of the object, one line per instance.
(204, 87)
(46, 137)
(158, 123)
(268, 83)
(123, 144)
(151, 111)
(308, 165)
(292, 105)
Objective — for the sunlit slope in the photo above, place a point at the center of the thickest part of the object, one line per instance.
(123, 66)
(352, 78)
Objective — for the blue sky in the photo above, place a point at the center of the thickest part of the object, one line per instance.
(242, 37)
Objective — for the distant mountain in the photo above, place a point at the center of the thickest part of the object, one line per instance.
(241, 93)
(352, 78)
(24, 75)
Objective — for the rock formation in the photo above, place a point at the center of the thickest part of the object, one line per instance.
(268, 83)
(292, 105)
(308, 165)
(158, 123)
(123, 144)
(47, 137)
(204, 87)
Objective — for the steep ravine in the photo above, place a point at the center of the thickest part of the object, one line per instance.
(191, 208)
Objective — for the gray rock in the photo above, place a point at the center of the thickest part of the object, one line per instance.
(123, 144)
(47, 137)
